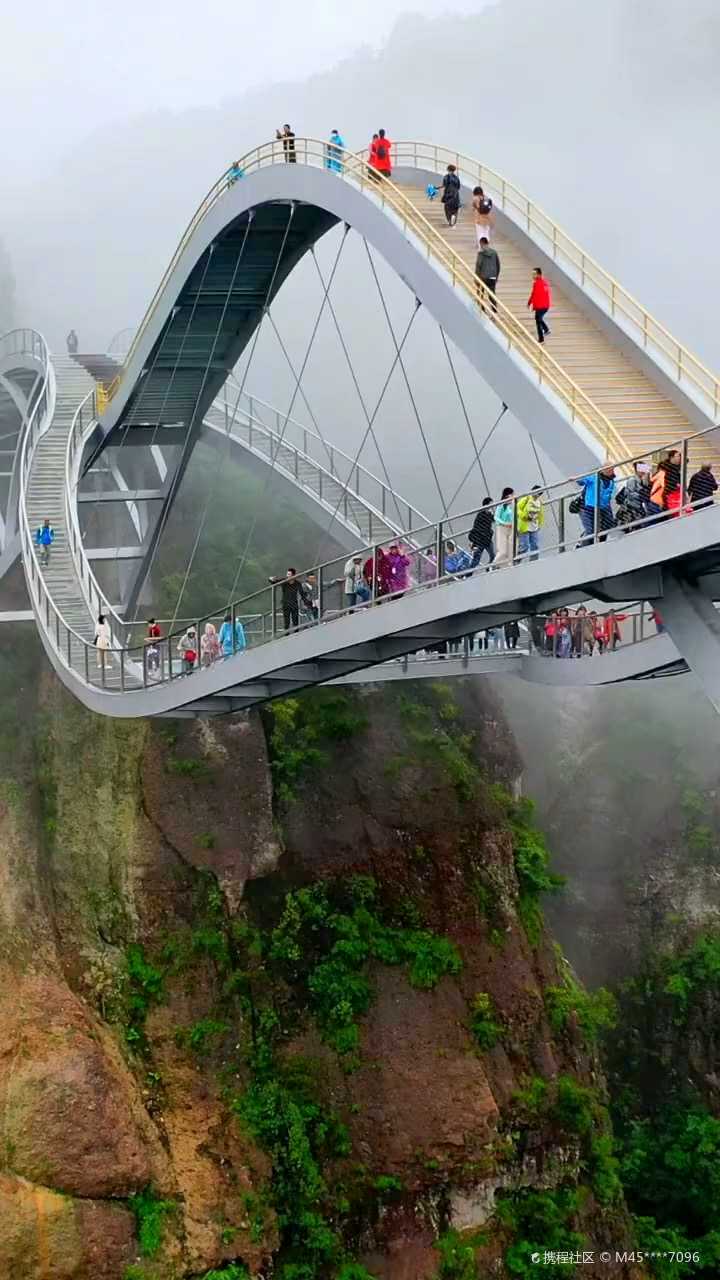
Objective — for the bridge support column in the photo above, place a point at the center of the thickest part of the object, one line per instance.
(694, 625)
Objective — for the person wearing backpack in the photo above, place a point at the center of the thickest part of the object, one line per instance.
(483, 215)
(451, 195)
(44, 538)
(381, 154)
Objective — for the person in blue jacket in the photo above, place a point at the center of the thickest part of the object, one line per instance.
(44, 538)
(456, 558)
(597, 492)
(225, 636)
(335, 148)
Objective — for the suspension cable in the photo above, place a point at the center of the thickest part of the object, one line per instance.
(466, 415)
(407, 383)
(376, 410)
(296, 392)
(361, 398)
(485, 442)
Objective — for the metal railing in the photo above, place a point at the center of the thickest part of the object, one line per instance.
(25, 342)
(383, 191)
(653, 336)
(331, 463)
(422, 559)
(95, 598)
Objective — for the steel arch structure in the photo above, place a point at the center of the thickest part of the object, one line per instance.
(256, 224)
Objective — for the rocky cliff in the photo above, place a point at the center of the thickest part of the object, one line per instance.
(278, 998)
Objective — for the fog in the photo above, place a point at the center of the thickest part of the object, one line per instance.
(117, 121)
(606, 113)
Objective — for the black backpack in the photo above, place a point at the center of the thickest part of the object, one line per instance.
(451, 182)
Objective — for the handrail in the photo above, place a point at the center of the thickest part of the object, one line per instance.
(33, 574)
(354, 467)
(95, 597)
(355, 168)
(121, 341)
(534, 220)
(22, 342)
(254, 604)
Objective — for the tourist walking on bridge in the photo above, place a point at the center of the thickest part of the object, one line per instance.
(187, 648)
(451, 195)
(530, 520)
(335, 148)
(504, 524)
(487, 269)
(612, 629)
(287, 137)
(103, 640)
(540, 301)
(44, 538)
(225, 636)
(290, 597)
(380, 159)
(397, 566)
(72, 343)
(354, 583)
(481, 534)
(209, 645)
(456, 558)
(483, 215)
(597, 494)
(634, 498)
(512, 634)
(702, 486)
(665, 490)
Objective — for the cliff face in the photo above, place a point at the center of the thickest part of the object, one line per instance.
(280, 991)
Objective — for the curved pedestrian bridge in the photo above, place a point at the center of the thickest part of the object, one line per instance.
(611, 384)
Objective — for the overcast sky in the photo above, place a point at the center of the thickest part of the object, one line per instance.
(73, 67)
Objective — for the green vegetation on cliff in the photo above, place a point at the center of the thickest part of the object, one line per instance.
(301, 732)
(668, 1138)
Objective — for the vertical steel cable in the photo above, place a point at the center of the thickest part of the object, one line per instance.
(407, 383)
(361, 398)
(296, 391)
(376, 410)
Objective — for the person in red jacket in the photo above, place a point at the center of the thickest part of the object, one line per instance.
(541, 301)
(611, 627)
(381, 154)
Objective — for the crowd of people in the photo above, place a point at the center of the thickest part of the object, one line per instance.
(487, 262)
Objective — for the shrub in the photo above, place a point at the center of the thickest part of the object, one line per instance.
(325, 939)
(539, 1221)
(533, 1097)
(144, 985)
(150, 1214)
(693, 971)
(485, 1029)
(457, 1255)
(575, 1107)
(198, 1035)
(298, 728)
(189, 767)
(386, 1184)
(594, 1012)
